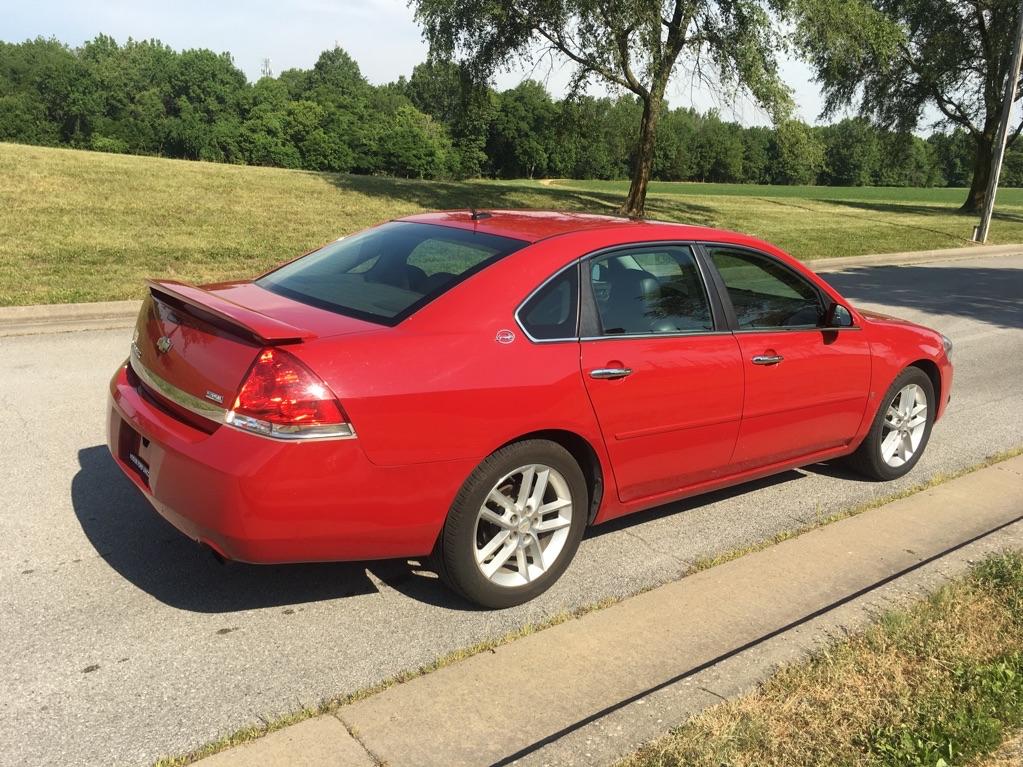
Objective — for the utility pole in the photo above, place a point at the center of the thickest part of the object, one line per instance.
(980, 233)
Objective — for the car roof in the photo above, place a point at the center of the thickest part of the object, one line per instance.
(529, 225)
(534, 225)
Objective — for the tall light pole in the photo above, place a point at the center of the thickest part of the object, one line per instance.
(980, 233)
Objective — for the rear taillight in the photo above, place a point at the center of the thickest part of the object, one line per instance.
(280, 397)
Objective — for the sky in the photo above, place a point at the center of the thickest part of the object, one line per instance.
(381, 35)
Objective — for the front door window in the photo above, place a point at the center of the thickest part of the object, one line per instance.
(764, 293)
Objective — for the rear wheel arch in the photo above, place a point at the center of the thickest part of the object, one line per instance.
(473, 552)
(583, 453)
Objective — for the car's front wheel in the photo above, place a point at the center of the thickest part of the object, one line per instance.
(515, 524)
(900, 430)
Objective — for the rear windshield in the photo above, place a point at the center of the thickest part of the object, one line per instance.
(386, 273)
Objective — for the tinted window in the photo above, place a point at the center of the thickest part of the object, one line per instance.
(655, 290)
(386, 273)
(551, 313)
(764, 293)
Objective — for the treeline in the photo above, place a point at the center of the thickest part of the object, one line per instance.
(145, 98)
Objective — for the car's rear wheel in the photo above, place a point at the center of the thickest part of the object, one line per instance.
(901, 428)
(515, 524)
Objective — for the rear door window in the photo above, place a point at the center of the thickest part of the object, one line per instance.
(386, 273)
(650, 290)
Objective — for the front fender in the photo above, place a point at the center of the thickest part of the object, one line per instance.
(894, 346)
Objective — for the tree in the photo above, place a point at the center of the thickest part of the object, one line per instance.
(133, 83)
(585, 144)
(414, 145)
(675, 157)
(632, 45)
(954, 156)
(797, 154)
(265, 139)
(909, 161)
(718, 149)
(1012, 171)
(435, 88)
(445, 91)
(57, 81)
(756, 156)
(852, 153)
(337, 84)
(895, 57)
(522, 132)
(204, 89)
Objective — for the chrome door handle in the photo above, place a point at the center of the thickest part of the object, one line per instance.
(610, 372)
(767, 359)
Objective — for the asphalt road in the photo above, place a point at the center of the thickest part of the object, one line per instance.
(122, 641)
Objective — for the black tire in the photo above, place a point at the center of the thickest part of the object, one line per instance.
(455, 556)
(868, 460)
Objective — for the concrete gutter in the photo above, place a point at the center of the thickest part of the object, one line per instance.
(592, 690)
(62, 318)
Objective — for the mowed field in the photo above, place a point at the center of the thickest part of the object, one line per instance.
(87, 226)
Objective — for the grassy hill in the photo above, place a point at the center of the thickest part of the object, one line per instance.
(86, 226)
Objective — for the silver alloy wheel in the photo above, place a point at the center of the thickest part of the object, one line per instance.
(904, 423)
(523, 524)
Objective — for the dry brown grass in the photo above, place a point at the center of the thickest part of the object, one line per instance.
(1009, 755)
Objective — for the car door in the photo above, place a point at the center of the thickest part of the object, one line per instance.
(663, 376)
(806, 385)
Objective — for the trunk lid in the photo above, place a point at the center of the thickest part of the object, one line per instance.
(202, 341)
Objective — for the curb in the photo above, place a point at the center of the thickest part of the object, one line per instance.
(914, 257)
(62, 318)
(616, 678)
(106, 315)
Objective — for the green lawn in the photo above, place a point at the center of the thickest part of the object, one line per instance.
(86, 226)
(942, 195)
(937, 683)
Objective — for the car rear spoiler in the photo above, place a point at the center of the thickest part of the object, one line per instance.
(227, 314)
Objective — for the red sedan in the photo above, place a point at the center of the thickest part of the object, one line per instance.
(482, 386)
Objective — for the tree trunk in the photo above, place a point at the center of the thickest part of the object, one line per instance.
(635, 203)
(977, 195)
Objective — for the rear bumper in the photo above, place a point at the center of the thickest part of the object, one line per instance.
(264, 501)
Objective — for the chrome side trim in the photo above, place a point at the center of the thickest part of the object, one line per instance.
(191, 403)
(675, 334)
(223, 416)
(798, 329)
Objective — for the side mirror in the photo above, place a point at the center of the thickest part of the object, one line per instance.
(838, 316)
